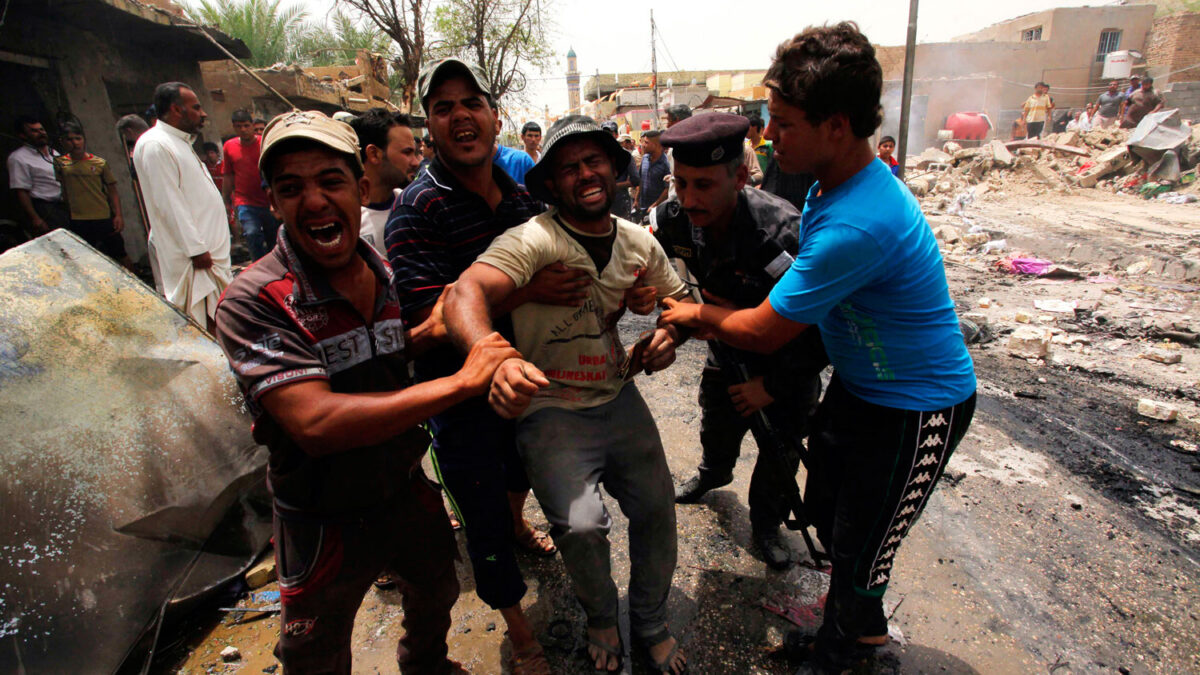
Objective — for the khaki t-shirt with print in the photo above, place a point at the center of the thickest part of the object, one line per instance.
(578, 347)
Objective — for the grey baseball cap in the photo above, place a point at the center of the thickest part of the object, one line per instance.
(436, 72)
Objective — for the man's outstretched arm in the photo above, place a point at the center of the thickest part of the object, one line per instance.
(759, 329)
(468, 312)
(470, 302)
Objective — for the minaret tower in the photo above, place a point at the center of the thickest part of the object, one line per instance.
(572, 83)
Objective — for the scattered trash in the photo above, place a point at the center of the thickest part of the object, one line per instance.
(1034, 266)
(995, 245)
(1056, 306)
(1177, 198)
(231, 654)
(985, 302)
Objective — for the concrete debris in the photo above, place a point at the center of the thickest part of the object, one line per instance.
(974, 239)
(1184, 447)
(948, 234)
(1001, 156)
(1156, 410)
(1163, 356)
(1097, 159)
(231, 654)
(1028, 342)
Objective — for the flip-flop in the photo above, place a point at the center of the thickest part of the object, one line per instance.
(617, 650)
(663, 666)
(535, 541)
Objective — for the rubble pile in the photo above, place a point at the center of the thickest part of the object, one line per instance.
(1103, 159)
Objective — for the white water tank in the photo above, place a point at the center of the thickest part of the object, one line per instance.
(1117, 65)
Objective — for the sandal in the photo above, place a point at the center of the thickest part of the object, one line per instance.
(529, 661)
(663, 666)
(537, 542)
(618, 651)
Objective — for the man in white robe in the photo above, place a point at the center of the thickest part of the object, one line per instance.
(189, 228)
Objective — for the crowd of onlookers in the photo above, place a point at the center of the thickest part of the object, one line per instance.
(1116, 106)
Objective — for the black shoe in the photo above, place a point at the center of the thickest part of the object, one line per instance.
(697, 486)
(774, 550)
(798, 647)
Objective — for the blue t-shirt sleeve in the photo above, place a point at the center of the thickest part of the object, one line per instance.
(832, 263)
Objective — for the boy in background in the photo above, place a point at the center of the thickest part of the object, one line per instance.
(90, 191)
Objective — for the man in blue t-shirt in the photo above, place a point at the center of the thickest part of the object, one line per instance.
(868, 273)
(514, 162)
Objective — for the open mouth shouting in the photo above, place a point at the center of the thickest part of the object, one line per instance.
(327, 234)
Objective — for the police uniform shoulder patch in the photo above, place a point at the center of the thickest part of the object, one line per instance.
(682, 251)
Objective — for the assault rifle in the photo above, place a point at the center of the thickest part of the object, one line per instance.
(774, 447)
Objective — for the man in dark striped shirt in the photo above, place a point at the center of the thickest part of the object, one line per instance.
(440, 224)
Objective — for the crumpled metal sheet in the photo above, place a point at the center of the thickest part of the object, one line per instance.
(124, 442)
(1158, 132)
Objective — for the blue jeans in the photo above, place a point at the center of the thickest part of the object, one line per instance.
(259, 228)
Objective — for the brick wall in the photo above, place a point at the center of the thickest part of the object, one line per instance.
(1173, 44)
(1186, 97)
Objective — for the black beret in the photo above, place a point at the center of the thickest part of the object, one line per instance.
(708, 139)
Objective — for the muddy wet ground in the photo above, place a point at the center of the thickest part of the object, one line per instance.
(1064, 538)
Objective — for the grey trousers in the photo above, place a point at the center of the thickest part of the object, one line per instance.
(567, 454)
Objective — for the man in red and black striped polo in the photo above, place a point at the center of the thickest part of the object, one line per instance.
(314, 334)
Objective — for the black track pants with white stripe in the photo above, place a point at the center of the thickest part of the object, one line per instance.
(871, 471)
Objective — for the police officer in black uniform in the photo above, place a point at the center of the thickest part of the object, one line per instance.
(737, 241)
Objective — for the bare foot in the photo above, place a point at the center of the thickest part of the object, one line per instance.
(660, 652)
(608, 658)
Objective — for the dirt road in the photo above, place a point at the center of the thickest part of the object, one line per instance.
(1064, 539)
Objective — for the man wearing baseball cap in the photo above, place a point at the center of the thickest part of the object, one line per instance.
(581, 421)
(314, 336)
(737, 242)
(439, 225)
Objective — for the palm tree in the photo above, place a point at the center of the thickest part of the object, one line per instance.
(273, 33)
(336, 43)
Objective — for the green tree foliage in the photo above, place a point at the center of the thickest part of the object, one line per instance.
(272, 31)
(337, 42)
(506, 37)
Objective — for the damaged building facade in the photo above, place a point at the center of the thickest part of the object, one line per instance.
(355, 87)
(94, 61)
(993, 70)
